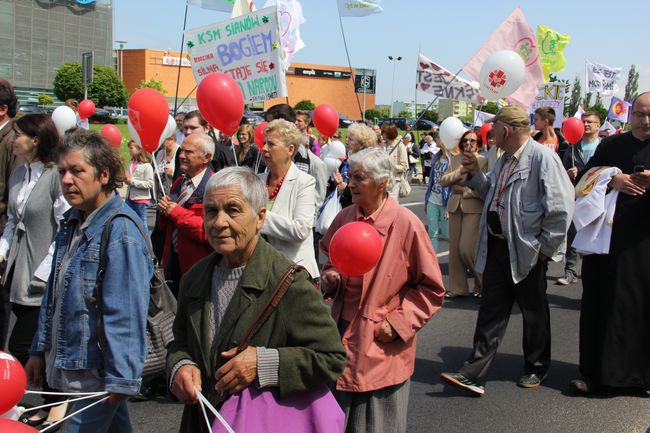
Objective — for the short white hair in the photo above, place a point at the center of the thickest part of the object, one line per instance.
(252, 188)
(376, 162)
(206, 142)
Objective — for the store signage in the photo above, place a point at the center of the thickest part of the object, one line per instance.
(364, 84)
(174, 61)
(321, 73)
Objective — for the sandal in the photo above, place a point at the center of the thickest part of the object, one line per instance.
(56, 414)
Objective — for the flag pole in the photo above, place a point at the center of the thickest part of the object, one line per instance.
(180, 61)
(347, 53)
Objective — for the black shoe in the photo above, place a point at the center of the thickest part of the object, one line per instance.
(530, 380)
(582, 386)
(460, 381)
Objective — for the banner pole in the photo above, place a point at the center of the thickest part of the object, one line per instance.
(347, 53)
(180, 62)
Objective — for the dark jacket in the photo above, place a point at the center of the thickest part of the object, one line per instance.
(302, 329)
(7, 136)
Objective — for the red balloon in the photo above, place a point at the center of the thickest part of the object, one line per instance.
(326, 119)
(112, 134)
(13, 382)
(355, 248)
(259, 134)
(485, 128)
(11, 426)
(573, 129)
(148, 113)
(221, 102)
(86, 109)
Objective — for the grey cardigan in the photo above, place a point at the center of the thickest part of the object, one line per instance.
(538, 203)
(33, 234)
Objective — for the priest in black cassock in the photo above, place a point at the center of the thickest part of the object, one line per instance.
(615, 313)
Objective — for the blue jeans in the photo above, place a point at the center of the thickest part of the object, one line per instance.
(438, 225)
(101, 418)
(140, 209)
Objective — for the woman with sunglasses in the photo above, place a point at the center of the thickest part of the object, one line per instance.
(464, 208)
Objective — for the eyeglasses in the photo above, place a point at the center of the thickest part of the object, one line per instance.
(640, 114)
(470, 140)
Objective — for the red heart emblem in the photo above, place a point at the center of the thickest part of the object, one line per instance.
(424, 65)
(424, 86)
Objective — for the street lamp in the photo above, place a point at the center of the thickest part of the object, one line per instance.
(121, 58)
(392, 92)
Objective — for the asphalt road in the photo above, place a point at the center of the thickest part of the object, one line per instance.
(444, 344)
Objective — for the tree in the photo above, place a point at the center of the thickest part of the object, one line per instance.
(405, 113)
(431, 115)
(44, 99)
(305, 104)
(574, 101)
(105, 90)
(153, 84)
(552, 78)
(490, 107)
(632, 86)
(586, 101)
(372, 113)
(600, 109)
(599, 99)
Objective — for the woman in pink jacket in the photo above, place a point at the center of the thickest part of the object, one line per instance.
(379, 313)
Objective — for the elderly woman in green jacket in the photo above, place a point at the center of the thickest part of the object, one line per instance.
(298, 347)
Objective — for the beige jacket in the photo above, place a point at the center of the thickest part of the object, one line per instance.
(468, 201)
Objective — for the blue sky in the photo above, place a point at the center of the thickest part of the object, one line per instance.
(448, 32)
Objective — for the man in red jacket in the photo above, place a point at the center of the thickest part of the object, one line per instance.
(180, 215)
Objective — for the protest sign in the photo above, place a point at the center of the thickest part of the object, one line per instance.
(247, 48)
(215, 5)
(433, 78)
(602, 79)
(480, 117)
(550, 95)
(619, 110)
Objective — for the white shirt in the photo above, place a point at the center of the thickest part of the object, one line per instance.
(33, 173)
(3, 125)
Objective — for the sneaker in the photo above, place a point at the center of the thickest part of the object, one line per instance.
(531, 380)
(567, 279)
(460, 381)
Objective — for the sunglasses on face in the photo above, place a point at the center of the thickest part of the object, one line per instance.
(470, 140)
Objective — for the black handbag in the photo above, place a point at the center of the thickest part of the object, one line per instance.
(162, 305)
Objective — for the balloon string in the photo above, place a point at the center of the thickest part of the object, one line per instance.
(98, 394)
(73, 414)
(214, 411)
(155, 165)
(257, 162)
(232, 145)
(205, 415)
(29, 391)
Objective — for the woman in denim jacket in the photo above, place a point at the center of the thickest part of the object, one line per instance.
(67, 337)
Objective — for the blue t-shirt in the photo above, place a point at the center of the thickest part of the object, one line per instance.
(587, 149)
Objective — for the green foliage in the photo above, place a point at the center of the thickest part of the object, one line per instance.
(574, 100)
(552, 78)
(600, 109)
(586, 101)
(490, 107)
(305, 104)
(431, 115)
(372, 114)
(632, 86)
(44, 99)
(152, 84)
(105, 90)
(405, 113)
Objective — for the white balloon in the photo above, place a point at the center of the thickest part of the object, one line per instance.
(169, 130)
(324, 151)
(134, 134)
(332, 164)
(13, 413)
(501, 75)
(64, 118)
(451, 129)
(336, 149)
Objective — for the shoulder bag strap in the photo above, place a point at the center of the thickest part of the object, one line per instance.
(103, 258)
(278, 293)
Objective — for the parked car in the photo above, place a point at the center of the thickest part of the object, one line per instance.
(425, 125)
(344, 121)
(251, 118)
(30, 109)
(102, 116)
(400, 122)
(118, 113)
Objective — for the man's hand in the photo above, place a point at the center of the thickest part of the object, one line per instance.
(185, 380)
(469, 164)
(641, 179)
(572, 172)
(330, 280)
(34, 371)
(340, 185)
(239, 372)
(384, 333)
(457, 189)
(624, 183)
(115, 398)
(165, 205)
(169, 171)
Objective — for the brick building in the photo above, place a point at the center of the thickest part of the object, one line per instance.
(333, 85)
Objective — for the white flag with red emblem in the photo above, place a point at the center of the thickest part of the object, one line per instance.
(516, 35)
(433, 78)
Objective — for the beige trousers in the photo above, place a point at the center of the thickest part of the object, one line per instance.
(463, 235)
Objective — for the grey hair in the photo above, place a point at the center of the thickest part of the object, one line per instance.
(288, 132)
(376, 162)
(242, 178)
(363, 134)
(206, 142)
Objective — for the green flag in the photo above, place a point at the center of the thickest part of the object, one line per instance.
(551, 49)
